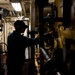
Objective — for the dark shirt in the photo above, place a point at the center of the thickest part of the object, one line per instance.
(16, 47)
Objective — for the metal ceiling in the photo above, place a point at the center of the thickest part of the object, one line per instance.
(6, 4)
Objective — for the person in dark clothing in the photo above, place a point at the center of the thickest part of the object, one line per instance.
(16, 48)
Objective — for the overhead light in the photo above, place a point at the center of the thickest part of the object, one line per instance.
(17, 6)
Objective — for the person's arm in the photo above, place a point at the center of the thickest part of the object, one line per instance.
(32, 41)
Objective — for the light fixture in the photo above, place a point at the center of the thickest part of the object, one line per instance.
(17, 6)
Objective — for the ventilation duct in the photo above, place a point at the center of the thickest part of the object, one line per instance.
(4, 1)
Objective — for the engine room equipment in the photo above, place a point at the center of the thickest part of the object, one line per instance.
(3, 13)
(52, 16)
(53, 66)
(2, 59)
(67, 13)
(45, 54)
(44, 2)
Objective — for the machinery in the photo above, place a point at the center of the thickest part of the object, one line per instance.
(44, 18)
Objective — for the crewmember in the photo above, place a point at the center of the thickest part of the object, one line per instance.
(16, 48)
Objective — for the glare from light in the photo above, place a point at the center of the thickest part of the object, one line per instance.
(17, 6)
(26, 18)
(58, 73)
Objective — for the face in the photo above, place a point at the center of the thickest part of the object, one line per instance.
(22, 29)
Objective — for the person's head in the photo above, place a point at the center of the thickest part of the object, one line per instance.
(20, 26)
